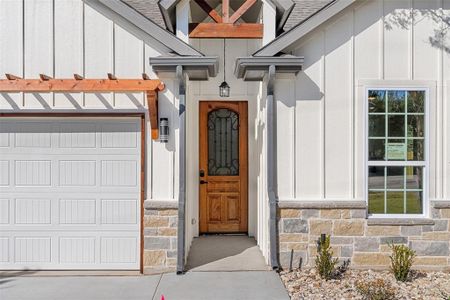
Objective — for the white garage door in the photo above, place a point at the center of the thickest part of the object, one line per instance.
(69, 193)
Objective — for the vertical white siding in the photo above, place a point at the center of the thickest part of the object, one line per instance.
(38, 48)
(382, 40)
(68, 48)
(59, 38)
(11, 48)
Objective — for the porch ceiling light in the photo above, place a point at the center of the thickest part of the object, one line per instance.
(224, 88)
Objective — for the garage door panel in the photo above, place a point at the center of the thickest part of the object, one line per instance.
(70, 194)
(77, 172)
(77, 211)
(4, 172)
(4, 211)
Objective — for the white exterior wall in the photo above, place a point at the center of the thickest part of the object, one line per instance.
(321, 112)
(60, 38)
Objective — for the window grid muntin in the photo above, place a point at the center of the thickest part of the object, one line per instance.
(405, 163)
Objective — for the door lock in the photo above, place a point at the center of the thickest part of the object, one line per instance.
(203, 181)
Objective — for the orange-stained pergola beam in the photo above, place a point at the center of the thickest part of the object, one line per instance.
(79, 85)
(46, 84)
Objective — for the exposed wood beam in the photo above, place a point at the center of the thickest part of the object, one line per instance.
(223, 30)
(74, 85)
(209, 10)
(152, 102)
(226, 10)
(241, 10)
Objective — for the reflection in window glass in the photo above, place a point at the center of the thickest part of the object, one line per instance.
(396, 133)
(414, 177)
(396, 101)
(376, 202)
(416, 125)
(377, 100)
(395, 202)
(376, 149)
(396, 126)
(416, 101)
(416, 150)
(395, 178)
(377, 126)
(414, 202)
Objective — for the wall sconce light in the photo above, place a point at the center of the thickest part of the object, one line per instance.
(164, 130)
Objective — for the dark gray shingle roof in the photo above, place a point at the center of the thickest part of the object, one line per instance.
(148, 8)
(302, 10)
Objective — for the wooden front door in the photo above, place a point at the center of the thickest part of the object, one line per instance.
(223, 172)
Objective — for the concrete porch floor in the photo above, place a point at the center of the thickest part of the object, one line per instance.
(225, 253)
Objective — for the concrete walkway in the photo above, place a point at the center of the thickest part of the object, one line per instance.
(259, 285)
(225, 253)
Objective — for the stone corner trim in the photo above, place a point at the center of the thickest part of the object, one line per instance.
(160, 236)
(160, 204)
(398, 222)
(440, 204)
(323, 204)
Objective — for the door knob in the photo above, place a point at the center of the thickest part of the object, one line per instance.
(203, 181)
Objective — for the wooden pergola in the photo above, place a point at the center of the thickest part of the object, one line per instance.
(47, 84)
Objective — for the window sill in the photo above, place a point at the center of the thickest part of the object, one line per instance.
(399, 222)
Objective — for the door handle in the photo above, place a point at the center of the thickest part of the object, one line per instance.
(203, 181)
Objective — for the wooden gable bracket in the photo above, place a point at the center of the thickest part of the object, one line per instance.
(224, 26)
(47, 84)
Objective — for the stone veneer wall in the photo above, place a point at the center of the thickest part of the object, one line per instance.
(160, 238)
(363, 241)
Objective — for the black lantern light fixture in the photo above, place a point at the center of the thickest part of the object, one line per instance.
(164, 130)
(224, 88)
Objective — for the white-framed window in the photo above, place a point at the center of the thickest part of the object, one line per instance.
(397, 151)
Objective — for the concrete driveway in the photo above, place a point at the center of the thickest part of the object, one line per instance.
(193, 285)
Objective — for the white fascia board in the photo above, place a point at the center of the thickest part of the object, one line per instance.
(297, 32)
(146, 25)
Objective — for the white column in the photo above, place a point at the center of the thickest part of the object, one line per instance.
(269, 21)
(183, 20)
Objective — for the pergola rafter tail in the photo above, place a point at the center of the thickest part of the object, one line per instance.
(47, 84)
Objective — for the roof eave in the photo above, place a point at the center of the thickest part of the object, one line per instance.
(149, 27)
(300, 30)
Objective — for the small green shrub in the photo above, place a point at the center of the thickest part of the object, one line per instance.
(402, 258)
(377, 289)
(325, 263)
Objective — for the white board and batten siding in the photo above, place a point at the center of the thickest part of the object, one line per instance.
(70, 193)
(321, 115)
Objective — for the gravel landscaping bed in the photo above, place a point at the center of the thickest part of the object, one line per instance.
(307, 284)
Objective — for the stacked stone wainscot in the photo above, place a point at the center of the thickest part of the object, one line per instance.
(362, 240)
(160, 236)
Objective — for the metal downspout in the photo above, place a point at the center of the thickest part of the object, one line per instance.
(181, 242)
(271, 168)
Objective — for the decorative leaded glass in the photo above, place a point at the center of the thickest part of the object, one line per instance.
(223, 143)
